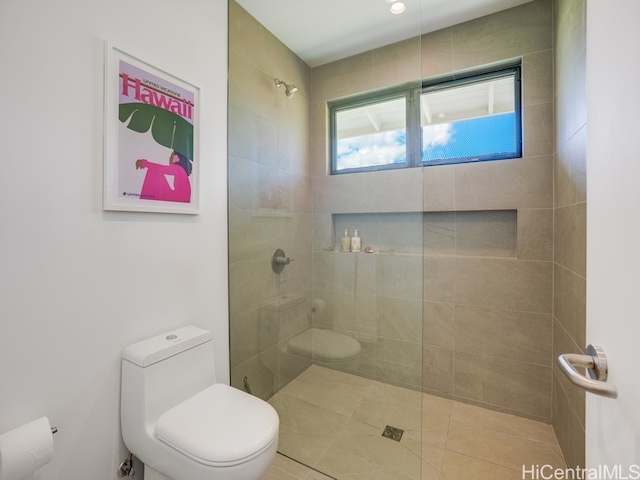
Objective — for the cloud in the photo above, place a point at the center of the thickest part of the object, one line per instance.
(372, 150)
(387, 148)
(436, 135)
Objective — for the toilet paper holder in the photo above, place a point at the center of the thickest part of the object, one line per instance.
(26, 448)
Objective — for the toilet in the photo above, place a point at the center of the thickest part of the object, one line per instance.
(325, 346)
(182, 424)
(287, 316)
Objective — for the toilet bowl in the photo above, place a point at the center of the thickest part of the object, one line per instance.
(325, 346)
(182, 424)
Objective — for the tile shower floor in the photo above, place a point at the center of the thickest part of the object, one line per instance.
(333, 422)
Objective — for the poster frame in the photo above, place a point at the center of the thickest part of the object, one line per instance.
(124, 177)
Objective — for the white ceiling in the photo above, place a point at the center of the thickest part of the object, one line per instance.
(321, 31)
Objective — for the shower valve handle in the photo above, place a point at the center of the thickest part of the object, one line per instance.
(279, 261)
(283, 260)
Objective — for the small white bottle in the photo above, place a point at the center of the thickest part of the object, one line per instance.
(355, 242)
(346, 241)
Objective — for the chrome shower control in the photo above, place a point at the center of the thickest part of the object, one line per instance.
(279, 261)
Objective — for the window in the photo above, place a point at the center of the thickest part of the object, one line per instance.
(371, 134)
(468, 119)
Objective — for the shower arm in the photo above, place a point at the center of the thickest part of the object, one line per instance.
(289, 89)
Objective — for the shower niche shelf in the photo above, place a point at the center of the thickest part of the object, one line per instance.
(482, 233)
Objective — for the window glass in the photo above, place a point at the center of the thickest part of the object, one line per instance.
(471, 121)
(371, 135)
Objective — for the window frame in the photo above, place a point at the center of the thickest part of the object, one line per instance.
(360, 101)
(412, 93)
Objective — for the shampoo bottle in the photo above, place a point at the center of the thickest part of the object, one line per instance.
(346, 241)
(355, 242)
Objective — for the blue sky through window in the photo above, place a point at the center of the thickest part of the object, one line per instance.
(471, 138)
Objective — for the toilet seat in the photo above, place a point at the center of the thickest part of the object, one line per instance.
(219, 426)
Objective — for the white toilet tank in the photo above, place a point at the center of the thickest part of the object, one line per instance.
(161, 372)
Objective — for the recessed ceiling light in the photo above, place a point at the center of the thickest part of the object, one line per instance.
(397, 8)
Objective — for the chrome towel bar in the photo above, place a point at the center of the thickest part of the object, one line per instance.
(595, 361)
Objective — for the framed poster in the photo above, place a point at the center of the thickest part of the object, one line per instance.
(151, 159)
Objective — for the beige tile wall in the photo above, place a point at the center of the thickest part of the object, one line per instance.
(475, 311)
(269, 203)
(570, 205)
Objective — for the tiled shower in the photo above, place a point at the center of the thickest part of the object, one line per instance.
(457, 297)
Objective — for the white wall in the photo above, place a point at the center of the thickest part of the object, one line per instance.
(78, 284)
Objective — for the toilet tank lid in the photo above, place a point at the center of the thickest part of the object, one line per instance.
(154, 349)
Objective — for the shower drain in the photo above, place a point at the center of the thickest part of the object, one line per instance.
(393, 433)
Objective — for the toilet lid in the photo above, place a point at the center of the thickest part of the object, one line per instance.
(221, 425)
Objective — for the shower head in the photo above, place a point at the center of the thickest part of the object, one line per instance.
(289, 89)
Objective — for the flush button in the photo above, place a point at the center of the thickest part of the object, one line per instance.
(171, 337)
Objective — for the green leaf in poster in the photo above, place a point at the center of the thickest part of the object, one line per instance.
(168, 129)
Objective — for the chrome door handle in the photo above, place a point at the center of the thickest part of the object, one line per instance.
(595, 361)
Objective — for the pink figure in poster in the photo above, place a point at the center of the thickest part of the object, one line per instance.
(157, 187)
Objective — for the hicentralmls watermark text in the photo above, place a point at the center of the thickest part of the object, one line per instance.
(601, 472)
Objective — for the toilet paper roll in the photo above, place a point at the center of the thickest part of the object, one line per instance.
(25, 449)
(318, 306)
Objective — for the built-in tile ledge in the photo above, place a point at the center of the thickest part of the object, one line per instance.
(486, 233)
